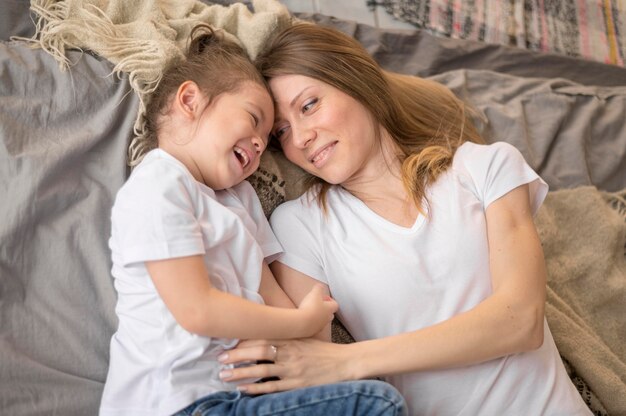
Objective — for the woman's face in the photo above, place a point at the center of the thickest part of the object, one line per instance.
(323, 130)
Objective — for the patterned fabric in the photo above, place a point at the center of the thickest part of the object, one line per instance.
(591, 29)
(269, 187)
(585, 392)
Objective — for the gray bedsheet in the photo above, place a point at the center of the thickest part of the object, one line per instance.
(63, 138)
(62, 158)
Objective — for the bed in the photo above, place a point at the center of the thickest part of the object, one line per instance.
(64, 137)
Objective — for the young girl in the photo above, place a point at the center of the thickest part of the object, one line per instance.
(422, 234)
(189, 245)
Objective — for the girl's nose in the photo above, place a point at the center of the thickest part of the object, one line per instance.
(258, 143)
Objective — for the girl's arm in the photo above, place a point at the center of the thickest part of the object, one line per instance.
(271, 292)
(507, 322)
(297, 285)
(274, 295)
(184, 286)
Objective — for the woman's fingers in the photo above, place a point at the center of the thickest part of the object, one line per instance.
(250, 350)
(255, 371)
(270, 386)
(297, 363)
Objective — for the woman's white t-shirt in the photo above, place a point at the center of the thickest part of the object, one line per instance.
(390, 279)
(162, 212)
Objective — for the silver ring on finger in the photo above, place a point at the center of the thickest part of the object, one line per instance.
(274, 350)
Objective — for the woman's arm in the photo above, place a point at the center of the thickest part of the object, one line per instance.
(507, 322)
(183, 284)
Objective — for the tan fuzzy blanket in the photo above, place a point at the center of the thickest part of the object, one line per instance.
(142, 37)
(583, 232)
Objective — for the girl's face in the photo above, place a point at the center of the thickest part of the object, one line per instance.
(323, 130)
(231, 135)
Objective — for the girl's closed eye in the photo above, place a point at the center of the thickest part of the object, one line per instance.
(255, 119)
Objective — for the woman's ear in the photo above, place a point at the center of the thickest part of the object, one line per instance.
(189, 99)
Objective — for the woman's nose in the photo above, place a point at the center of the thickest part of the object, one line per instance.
(302, 136)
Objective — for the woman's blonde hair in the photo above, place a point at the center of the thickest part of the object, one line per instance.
(424, 118)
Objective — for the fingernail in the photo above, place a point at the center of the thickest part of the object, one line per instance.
(225, 374)
(242, 388)
(222, 357)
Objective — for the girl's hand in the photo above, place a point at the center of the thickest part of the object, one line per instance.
(297, 363)
(317, 310)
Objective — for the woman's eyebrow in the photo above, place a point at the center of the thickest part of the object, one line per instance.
(293, 102)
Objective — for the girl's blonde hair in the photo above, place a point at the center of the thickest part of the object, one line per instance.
(424, 118)
(215, 64)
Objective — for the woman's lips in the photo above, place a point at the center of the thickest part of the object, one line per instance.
(320, 157)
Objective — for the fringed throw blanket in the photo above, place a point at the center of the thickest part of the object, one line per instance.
(592, 29)
(142, 37)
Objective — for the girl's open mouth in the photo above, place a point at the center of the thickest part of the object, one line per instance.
(242, 156)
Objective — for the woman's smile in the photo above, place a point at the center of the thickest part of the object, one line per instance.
(320, 156)
(324, 130)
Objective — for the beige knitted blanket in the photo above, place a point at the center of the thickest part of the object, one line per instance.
(142, 37)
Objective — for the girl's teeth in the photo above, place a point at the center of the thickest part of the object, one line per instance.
(243, 157)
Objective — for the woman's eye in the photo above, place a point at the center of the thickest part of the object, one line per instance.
(306, 107)
(279, 132)
(255, 119)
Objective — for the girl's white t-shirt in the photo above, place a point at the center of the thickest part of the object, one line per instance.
(390, 279)
(162, 212)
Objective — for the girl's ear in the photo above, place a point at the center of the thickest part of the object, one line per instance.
(188, 99)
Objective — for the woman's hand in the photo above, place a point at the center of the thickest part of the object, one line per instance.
(297, 363)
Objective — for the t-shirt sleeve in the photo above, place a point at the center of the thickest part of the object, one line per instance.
(153, 217)
(263, 234)
(499, 168)
(297, 227)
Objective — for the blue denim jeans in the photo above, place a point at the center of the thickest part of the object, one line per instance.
(357, 398)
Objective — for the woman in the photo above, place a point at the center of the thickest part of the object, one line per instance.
(422, 234)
